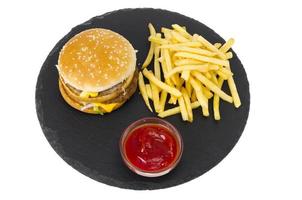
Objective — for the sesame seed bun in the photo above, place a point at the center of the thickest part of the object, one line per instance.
(96, 60)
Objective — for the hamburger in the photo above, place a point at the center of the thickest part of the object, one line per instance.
(97, 71)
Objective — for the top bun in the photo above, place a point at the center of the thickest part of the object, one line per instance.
(96, 59)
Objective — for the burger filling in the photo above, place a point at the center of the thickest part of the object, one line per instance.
(108, 105)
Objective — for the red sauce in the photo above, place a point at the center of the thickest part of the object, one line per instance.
(151, 147)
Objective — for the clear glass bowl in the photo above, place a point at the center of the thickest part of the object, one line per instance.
(156, 121)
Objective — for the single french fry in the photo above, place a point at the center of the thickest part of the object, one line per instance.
(229, 55)
(158, 40)
(185, 75)
(222, 75)
(194, 39)
(176, 110)
(142, 88)
(202, 97)
(155, 96)
(216, 100)
(164, 29)
(188, 87)
(167, 33)
(162, 100)
(207, 93)
(217, 45)
(151, 49)
(205, 110)
(231, 82)
(207, 74)
(193, 97)
(181, 82)
(161, 84)
(183, 44)
(151, 29)
(183, 109)
(187, 103)
(199, 95)
(214, 77)
(193, 50)
(234, 92)
(182, 31)
(226, 46)
(196, 86)
(168, 63)
(203, 58)
(163, 64)
(167, 59)
(181, 62)
(173, 99)
(178, 37)
(213, 67)
(201, 68)
(209, 84)
(226, 71)
(149, 91)
(156, 62)
(211, 47)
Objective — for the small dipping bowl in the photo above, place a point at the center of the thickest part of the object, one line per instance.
(151, 147)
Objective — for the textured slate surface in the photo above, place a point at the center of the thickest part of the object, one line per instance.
(89, 143)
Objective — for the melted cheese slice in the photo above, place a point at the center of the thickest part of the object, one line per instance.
(107, 107)
(89, 94)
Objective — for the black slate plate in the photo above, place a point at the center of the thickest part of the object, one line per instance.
(89, 143)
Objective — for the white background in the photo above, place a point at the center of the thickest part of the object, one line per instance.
(265, 164)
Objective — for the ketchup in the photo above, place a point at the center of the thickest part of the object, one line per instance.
(151, 147)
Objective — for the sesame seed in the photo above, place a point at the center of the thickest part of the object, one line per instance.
(84, 49)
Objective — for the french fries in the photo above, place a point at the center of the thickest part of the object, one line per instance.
(193, 71)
